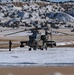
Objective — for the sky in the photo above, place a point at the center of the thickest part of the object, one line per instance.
(50, 0)
(60, 0)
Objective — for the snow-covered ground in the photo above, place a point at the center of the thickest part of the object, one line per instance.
(49, 57)
(64, 43)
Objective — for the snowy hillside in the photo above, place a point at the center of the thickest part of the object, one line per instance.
(32, 14)
(61, 16)
(71, 11)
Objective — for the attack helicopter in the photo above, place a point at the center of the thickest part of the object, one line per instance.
(38, 41)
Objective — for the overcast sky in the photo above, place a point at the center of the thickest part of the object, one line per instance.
(60, 0)
(50, 0)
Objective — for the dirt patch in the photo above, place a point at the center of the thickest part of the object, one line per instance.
(37, 71)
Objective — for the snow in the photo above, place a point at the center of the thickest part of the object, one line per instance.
(49, 57)
(10, 12)
(17, 8)
(65, 43)
(61, 16)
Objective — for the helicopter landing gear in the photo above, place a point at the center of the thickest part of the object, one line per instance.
(41, 48)
(46, 47)
(21, 45)
(30, 49)
(34, 48)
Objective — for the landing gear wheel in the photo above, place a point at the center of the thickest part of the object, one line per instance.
(34, 48)
(41, 48)
(21, 46)
(29, 49)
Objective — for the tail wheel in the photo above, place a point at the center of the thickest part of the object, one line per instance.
(21, 45)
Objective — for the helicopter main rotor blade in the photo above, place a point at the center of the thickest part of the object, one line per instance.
(14, 32)
(61, 32)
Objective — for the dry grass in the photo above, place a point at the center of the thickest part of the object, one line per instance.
(63, 38)
(57, 38)
(4, 46)
(72, 45)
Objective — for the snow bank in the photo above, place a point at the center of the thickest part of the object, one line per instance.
(61, 16)
(65, 43)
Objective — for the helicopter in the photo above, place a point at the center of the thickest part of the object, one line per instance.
(38, 41)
